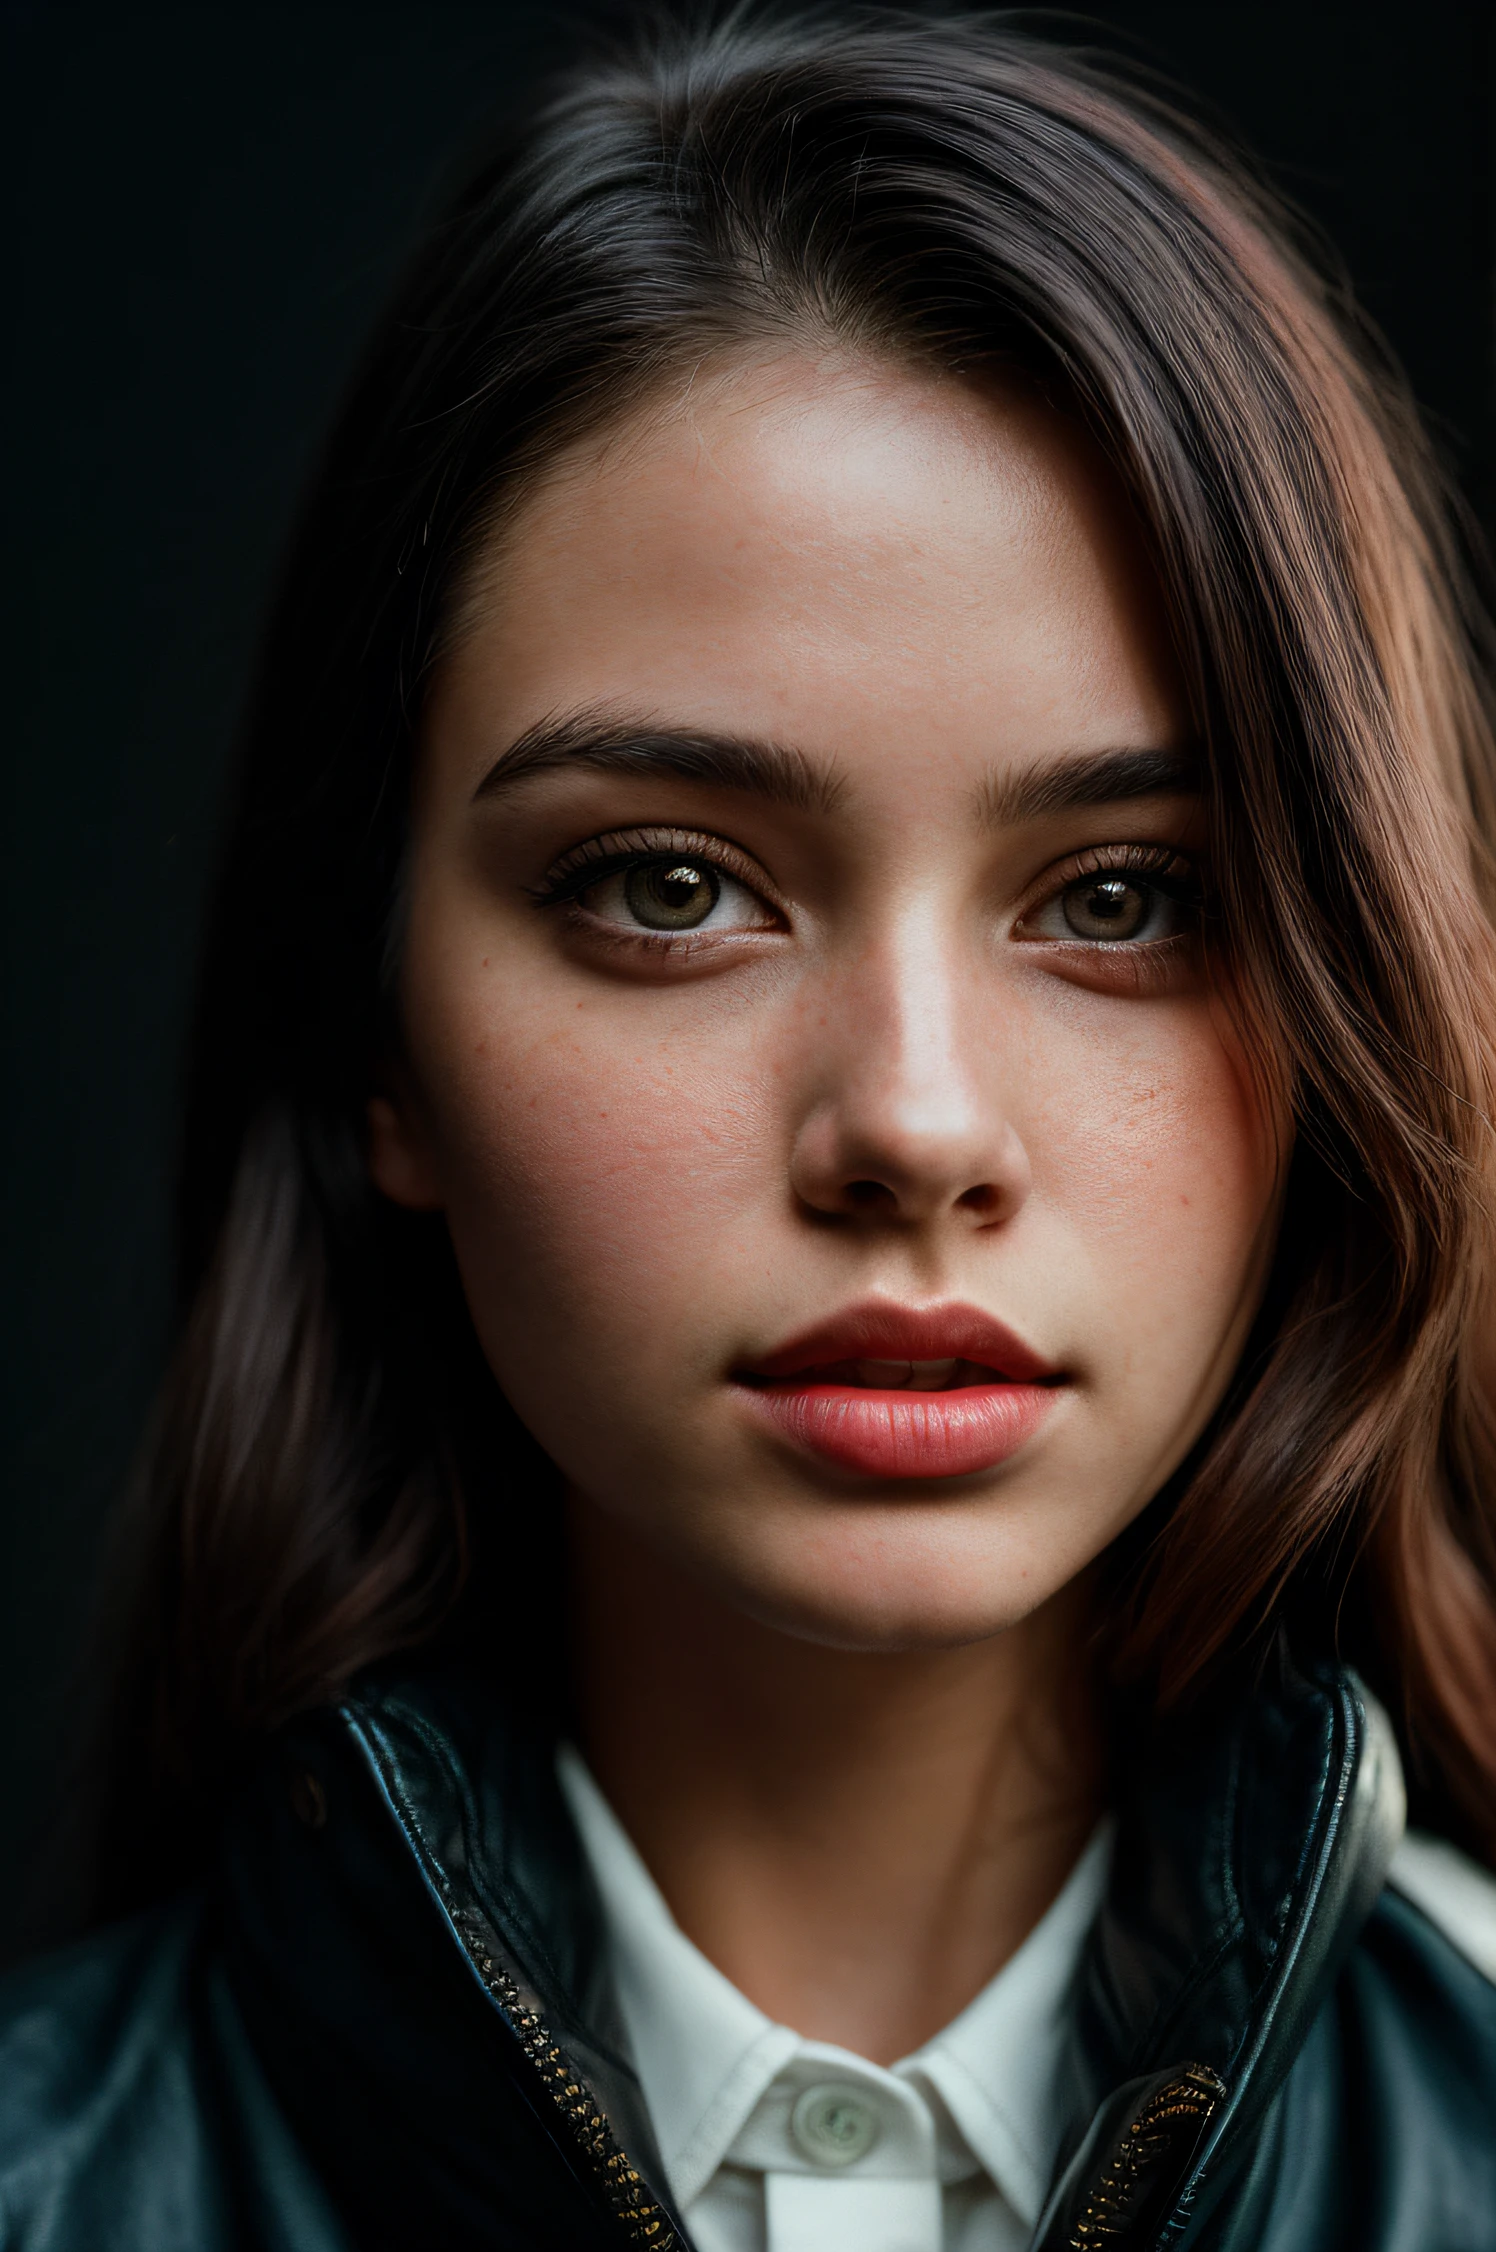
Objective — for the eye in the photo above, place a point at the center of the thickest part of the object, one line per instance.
(668, 895)
(1117, 904)
(1113, 907)
(672, 898)
(665, 885)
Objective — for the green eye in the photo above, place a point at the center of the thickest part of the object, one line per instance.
(671, 898)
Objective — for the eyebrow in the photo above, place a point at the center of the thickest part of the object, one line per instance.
(620, 745)
(1102, 778)
(617, 743)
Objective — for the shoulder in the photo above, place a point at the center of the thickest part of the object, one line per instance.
(1417, 2007)
(90, 2040)
(1381, 2132)
(79, 2029)
(1455, 1894)
(132, 2111)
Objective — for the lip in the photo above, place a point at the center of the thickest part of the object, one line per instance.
(879, 1330)
(804, 1391)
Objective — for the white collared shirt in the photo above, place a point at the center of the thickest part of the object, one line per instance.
(775, 2144)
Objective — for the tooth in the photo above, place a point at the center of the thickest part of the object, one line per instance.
(931, 1376)
(885, 1376)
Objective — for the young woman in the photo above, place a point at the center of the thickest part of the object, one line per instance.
(834, 1440)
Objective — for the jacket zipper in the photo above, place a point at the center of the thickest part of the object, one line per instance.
(628, 2197)
(1146, 2168)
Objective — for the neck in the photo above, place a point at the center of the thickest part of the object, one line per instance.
(857, 1839)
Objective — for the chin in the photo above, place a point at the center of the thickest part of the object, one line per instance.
(879, 1592)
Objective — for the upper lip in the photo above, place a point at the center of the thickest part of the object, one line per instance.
(881, 1330)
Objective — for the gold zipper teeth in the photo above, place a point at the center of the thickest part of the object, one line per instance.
(1188, 2103)
(622, 2183)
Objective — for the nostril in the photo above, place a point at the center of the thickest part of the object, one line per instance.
(984, 1198)
(868, 1196)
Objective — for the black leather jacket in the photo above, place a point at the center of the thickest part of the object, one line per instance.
(387, 2025)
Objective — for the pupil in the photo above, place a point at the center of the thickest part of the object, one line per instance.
(666, 898)
(1107, 907)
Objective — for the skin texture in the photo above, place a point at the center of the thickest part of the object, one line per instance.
(846, 1719)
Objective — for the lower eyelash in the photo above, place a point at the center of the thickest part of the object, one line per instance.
(1149, 967)
(600, 933)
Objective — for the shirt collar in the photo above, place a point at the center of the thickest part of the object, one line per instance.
(706, 2056)
(703, 2052)
(996, 2067)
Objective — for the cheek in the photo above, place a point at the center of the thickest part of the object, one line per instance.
(1166, 1161)
(592, 1169)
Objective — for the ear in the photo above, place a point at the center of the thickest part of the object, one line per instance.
(401, 1163)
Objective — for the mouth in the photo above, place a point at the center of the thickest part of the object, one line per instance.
(905, 1392)
(949, 1375)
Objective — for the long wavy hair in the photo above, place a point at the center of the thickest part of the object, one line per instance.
(332, 1475)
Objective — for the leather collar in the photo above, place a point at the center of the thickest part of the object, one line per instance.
(413, 1939)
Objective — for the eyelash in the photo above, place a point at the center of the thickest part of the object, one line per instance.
(585, 865)
(588, 863)
(1165, 867)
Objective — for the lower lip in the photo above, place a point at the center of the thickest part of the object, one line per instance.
(908, 1434)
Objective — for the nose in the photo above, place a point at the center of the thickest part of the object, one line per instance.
(905, 1120)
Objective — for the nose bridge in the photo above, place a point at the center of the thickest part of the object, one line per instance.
(908, 1057)
(909, 1110)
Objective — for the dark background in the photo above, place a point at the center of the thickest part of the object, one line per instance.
(207, 206)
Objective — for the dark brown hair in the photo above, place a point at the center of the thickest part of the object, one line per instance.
(333, 1475)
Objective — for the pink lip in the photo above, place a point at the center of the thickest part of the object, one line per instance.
(905, 1433)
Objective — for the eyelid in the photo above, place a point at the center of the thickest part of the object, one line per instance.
(585, 864)
(1158, 862)
(600, 856)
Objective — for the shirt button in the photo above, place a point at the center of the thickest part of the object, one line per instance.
(834, 2125)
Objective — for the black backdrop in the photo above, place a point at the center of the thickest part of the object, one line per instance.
(208, 206)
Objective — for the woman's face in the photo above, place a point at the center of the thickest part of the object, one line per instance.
(858, 1190)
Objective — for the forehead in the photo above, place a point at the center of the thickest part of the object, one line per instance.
(833, 553)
